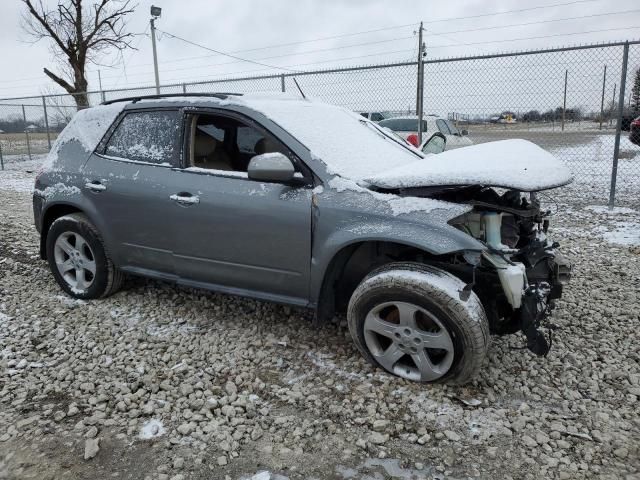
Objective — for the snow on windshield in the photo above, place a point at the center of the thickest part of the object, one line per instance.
(338, 137)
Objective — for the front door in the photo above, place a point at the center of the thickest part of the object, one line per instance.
(236, 234)
(244, 235)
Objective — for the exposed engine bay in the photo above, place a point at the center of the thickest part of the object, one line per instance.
(521, 272)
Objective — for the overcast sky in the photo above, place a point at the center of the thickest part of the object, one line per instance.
(241, 25)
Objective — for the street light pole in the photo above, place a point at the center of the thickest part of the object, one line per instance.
(420, 95)
(155, 14)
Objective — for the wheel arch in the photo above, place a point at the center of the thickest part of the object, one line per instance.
(353, 261)
(51, 214)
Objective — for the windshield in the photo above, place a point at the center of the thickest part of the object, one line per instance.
(348, 144)
(403, 124)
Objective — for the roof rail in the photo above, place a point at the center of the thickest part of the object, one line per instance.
(222, 96)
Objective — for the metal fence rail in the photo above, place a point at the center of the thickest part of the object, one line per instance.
(573, 101)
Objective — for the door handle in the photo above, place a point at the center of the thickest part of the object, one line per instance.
(95, 186)
(184, 199)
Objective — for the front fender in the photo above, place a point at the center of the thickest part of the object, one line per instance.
(431, 235)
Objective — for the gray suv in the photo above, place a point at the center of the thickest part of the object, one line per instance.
(303, 203)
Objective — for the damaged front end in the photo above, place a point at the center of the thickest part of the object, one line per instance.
(521, 272)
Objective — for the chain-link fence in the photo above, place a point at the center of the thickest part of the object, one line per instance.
(571, 101)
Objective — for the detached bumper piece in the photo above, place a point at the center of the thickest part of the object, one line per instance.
(550, 273)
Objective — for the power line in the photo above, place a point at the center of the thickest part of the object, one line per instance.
(284, 55)
(511, 11)
(534, 38)
(442, 34)
(223, 53)
(364, 32)
(538, 22)
(177, 79)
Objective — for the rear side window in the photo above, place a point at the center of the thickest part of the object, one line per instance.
(151, 137)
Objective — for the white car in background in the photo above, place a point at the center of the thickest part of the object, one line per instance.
(407, 128)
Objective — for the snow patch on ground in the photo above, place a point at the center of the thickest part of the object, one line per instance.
(623, 233)
(611, 211)
(19, 176)
(152, 429)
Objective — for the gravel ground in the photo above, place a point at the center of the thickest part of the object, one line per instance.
(161, 382)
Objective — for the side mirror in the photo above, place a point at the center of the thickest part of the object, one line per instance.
(271, 167)
(436, 144)
(464, 132)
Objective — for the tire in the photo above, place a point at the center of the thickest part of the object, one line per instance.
(406, 315)
(66, 261)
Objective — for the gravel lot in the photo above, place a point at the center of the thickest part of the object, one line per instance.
(161, 382)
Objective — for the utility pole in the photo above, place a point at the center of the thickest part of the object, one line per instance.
(100, 84)
(604, 83)
(420, 89)
(155, 14)
(564, 102)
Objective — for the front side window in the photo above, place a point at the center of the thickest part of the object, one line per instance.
(228, 144)
(151, 137)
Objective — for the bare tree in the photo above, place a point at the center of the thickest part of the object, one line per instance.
(79, 34)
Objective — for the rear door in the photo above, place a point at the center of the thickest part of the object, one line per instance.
(127, 181)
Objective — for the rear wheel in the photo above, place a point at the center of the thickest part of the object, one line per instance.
(408, 319)
(78, 258)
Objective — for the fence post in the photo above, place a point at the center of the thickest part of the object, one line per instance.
(184, 88)
(616, 145)
(604, 83)
(46, 121)
(1, 160)
(613, 103)
(282, 84)
(564, 102)
(26, 131)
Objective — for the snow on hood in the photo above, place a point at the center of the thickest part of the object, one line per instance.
(86, 128)
(517, 164)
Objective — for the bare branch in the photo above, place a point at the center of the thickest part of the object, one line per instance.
(63, 83)
(79, 34)
(42, 21)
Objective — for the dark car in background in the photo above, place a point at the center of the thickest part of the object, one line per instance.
(634, 131)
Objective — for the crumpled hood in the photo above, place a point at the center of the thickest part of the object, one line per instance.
(515, 164)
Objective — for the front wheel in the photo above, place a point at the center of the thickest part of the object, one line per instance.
(79, 260)
(408, 319)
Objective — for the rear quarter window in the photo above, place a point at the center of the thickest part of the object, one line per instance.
(151, 137)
